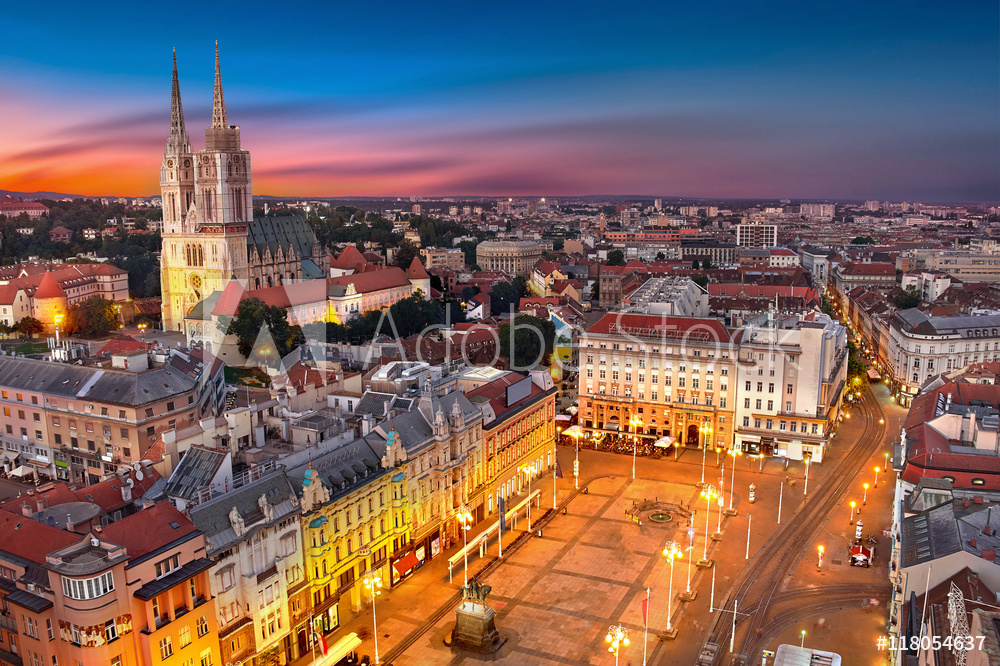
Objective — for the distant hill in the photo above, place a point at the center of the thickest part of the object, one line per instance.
(34, 196)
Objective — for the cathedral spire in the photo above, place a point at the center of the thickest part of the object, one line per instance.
(219, 103)
(178, 133)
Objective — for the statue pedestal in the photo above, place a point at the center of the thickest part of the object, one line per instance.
(475, 628)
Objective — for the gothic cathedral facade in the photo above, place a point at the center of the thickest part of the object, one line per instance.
(209, 233)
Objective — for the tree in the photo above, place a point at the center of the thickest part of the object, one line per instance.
(595, 291)
(532, 343)
(615, 258)
(700, 280)
(468, 292)
(94, 317)
(436, 283)
(706, 264)
(695, 264)
(864, 240)
(252, 315)
(660, 256)
(29, 326)
(504, 295)
(907, 298)
(405, 254)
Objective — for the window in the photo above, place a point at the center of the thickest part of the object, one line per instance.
(170, 406)
(979, 482)
(149, 412)
(770, 405)
(206, 657)
(48, 630)
(760, 387)
(110, 630)
(722, 404)
(184, 636)
(166, 648)
(746, 421)
(30, 626)
(746, 403)
(202, 626)
(789, 389)
(748, 386)
(769, 424)
(88, 588)
(163, 567)
(226, 578)
(756, 423)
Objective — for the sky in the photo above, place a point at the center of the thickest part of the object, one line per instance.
(845, 100)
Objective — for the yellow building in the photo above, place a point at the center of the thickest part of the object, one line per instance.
(354, 520)
(518, 431)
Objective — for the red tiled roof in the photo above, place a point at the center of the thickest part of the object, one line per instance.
(350, 258)
(496, 393)
(108, 494)
(660, 324)
(230, 299)
(856, 268)
(32, 540)
(49, 288)
(148, 530)
(366, 282)
(416, 270)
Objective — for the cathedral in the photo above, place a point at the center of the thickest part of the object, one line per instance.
(210, 235)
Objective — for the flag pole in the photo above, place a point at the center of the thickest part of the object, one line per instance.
(645, 626)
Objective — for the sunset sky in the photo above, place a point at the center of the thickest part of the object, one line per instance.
(712, 99)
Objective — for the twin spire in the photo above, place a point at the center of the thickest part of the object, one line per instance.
(178, 132)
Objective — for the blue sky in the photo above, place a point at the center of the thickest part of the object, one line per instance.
(843, 100)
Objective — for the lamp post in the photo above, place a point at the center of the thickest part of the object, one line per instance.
(819, 565)
(886, 461)
(805, 488)
(802, 643)
(464, 517)
(671, 551)
(555, 469)
(877, 470)
(576, 462)
(142, 331)
(58, 320)
(735, 453)
(709, 494)
(617, 637)
(864, 499)
(636, 423)
(706, 431)
(853, 504)
(721, 502)
(373, 583)
(528, 470)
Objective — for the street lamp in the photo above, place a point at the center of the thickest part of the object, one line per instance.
(735, 453)
(465, 518)
(805, 488)
(877, 470)
(528, 470)
(576, 463)
(886, 461)
(636, 423)
(671, 551)
(802, 644)
(709, 494)
(617, 636)
(706, 431)
(58, 320)
(820, 565)
(373, 583)
(864, 501)
(142, 331)
(853, 504)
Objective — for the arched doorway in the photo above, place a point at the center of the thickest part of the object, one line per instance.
(692, 436)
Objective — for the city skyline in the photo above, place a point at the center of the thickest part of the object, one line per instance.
(682, 102)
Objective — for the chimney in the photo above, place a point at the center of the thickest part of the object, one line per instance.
(26, 510)
(973, 543)
(989, 554)
(69, 523)
(39, 504)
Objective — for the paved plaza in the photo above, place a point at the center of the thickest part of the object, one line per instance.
(556, 595)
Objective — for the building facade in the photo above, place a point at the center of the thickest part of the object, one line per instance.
(756, 235)
(513, 257)
(254, 540)
(790, 385)
(675, 375)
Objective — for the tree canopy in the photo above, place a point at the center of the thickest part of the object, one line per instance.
(406, 253)
(864, 240)
(533, 341)
(615, 258)
(252, 316)
(93, 318)
(504, 295)
(907, 298)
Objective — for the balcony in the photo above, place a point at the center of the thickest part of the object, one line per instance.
(8, 622)
(267, 573)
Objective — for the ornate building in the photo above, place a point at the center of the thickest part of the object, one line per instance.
(209, 233)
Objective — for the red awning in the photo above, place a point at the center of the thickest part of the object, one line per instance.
(861, 551)
(405, 564)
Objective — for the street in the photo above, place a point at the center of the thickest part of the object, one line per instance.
(556, 595)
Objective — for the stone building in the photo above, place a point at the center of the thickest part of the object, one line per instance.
(514, 257)
(209, 233)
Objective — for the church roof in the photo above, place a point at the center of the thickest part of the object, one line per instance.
(270, 233)
(416, 270)
(49, 288)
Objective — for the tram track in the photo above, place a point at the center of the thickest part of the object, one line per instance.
(759, 583)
